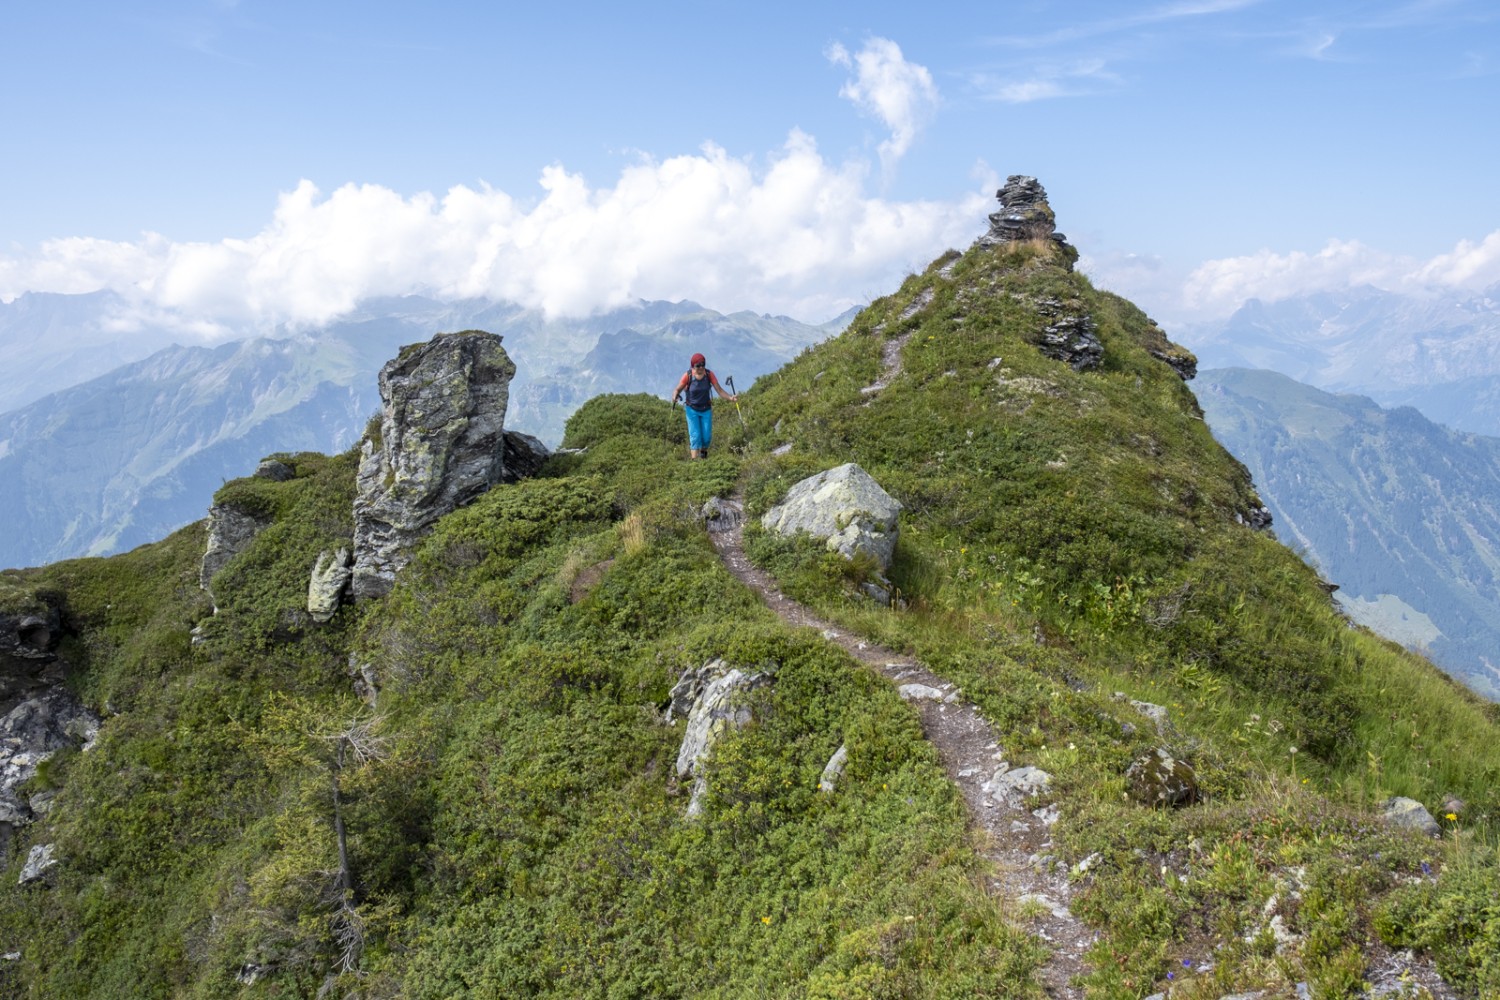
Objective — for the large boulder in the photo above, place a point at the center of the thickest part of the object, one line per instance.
(843, 506)
(440, 444)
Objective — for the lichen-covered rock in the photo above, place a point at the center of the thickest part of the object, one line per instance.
(845, 507)
(1160, 779)
(1409, 814)
(716, 700)
(441, 443)
(325, 590)
(231, 529)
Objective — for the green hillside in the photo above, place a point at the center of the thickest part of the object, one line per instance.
(510, 819)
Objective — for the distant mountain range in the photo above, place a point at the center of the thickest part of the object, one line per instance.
(1402, 513)
(1438, 354)
(114, 442)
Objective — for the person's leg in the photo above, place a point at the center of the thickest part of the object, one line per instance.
(707, 434)
(696, 442)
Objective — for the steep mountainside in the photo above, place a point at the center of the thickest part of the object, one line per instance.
(50, 342)
(482, 784)
(1441, 355)
(1402, 513)
(128, 456)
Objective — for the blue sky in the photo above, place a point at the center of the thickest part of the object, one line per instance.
(228, 165)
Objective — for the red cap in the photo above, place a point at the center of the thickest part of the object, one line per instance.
(697, 359)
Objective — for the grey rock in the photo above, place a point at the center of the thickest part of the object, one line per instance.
(231, 529)
(524, 456)
(1255, 518)
(1156, 713)
(37, 862)
(1012, 786)
(32, 731)
(325, 589)
(275, 469)
(441, 444)
(845, 507)
(920, 692)
(833, 771)
(1069, 334)
(1160, 779)
(1409, 814)
(721, 515)
(720, 703)
(28, 657)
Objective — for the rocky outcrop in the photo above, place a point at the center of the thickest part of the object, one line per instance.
(1024, 216)
(231, 529)
(28, 657)
(1068, 334)
(844, 506)
(325, 590)
(441, 443)
(31, 731)
(714, 699)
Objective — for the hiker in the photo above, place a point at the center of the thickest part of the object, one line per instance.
(699, 384)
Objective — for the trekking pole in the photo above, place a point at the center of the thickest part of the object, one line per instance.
(737, 409)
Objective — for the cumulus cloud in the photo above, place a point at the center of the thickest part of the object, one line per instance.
(1218, 287)
(885, 86)
(798, 235)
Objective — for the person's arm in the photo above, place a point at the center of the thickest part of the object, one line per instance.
(713, 380)
(681, 384)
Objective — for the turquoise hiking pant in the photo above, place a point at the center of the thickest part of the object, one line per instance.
(700, 428)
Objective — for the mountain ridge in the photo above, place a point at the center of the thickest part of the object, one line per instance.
(1075, 556)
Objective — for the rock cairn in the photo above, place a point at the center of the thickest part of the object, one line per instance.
(1024, 215)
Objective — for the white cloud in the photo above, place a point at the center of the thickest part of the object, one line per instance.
(900, 94)
(1218, 287)
(799, 235)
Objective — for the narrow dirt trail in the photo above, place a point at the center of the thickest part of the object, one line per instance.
(1017, 840)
